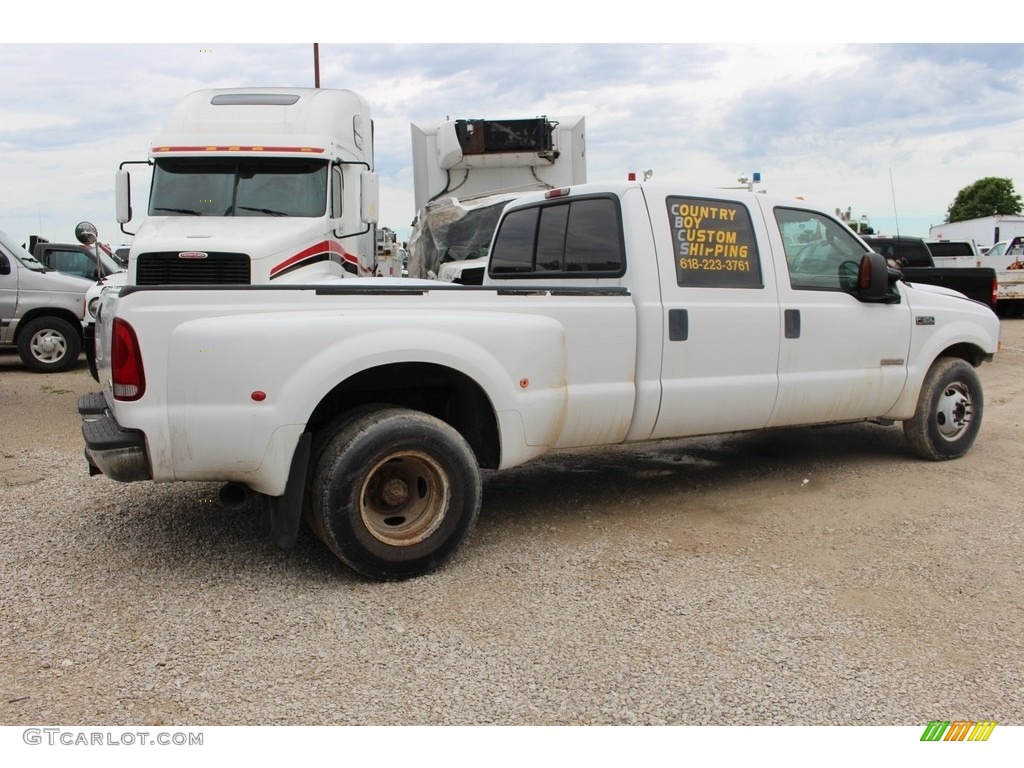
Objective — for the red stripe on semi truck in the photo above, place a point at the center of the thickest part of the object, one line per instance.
(322, 251)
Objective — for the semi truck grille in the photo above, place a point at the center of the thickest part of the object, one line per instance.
(168, 268)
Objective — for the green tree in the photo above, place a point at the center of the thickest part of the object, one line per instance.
(991, 196)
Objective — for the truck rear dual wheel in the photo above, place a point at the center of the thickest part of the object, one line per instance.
(949, 411)
(49, 345)
(394, 492)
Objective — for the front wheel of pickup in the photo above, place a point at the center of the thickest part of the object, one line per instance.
(393, 492)
(49, 345)
(949, 411)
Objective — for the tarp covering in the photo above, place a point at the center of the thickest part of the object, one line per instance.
(449, 230)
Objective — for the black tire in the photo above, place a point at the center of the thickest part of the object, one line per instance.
(949, 411)
(49, 345)
(394, 492)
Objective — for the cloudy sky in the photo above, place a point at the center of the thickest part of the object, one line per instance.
(887, 130)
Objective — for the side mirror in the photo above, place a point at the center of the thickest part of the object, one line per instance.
(122, 197)
(369, 197)
(86, 233)
(875, 277)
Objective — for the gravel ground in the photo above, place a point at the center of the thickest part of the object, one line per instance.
(799, 577)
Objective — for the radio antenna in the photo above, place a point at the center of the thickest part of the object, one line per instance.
(895, 214)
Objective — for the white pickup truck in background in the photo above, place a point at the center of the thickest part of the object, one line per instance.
(1007, 259)
(609, 314)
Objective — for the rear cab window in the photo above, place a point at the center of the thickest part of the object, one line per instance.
(570, 238)
(905, 251)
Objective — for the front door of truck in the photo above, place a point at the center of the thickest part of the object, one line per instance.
(840, 359)
(720, 347)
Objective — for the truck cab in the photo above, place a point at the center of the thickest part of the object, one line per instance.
(254, 186)
(74, 258)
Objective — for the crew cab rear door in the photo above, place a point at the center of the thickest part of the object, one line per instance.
(840, 358)
(720, 344)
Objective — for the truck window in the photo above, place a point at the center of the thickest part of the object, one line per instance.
(337, 193)
(913, 253)
(574, 238)
(279, 186)
(714, 243)
(72, 262)
(943, 248)
(821, 253)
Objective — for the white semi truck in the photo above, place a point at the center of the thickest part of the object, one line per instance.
(254, 186)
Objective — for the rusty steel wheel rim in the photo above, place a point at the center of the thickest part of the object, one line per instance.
(404, 498)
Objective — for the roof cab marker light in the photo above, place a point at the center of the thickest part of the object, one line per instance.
(237, 148)
(128, 378)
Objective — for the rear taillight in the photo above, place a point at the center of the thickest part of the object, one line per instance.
(128, 378)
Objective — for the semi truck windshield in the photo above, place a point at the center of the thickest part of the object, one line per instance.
(206, 186)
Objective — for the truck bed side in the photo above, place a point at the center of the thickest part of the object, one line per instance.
(328, 349)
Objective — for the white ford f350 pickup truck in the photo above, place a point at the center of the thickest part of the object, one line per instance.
(609, 314)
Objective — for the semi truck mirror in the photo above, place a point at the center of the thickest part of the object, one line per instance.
(122, 197)
(369, 197)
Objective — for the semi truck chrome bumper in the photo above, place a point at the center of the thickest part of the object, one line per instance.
(118, 453)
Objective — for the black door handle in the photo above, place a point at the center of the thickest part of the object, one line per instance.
(678, 325)
(792, 323)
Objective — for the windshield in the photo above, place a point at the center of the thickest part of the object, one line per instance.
(248, 186)
(79, 260)
(110, 264)
(27, 260)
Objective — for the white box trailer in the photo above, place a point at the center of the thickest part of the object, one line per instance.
(985, 231)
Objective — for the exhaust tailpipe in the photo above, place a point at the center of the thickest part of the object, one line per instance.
(234, 495)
